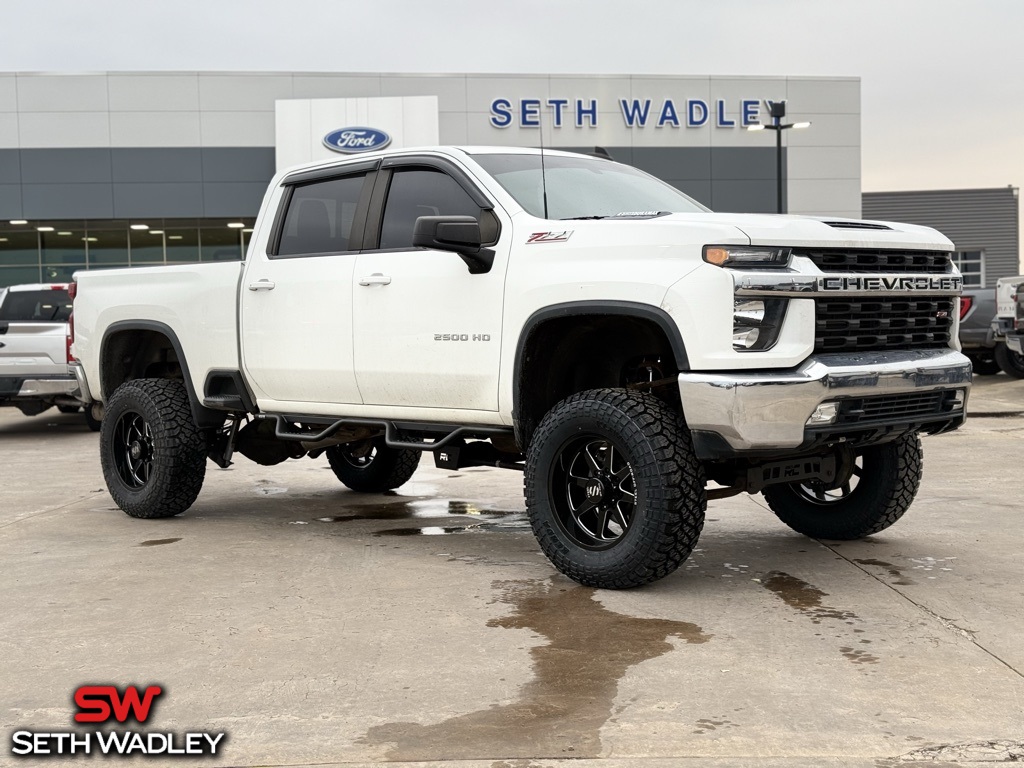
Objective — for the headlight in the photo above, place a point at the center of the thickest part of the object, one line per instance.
(741, 257)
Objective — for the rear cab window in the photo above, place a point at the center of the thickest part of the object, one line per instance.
(320, 217)
(42, 306)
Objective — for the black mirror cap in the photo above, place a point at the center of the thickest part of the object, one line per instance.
(460, 234)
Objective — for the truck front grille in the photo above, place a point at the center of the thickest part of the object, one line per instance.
(876, 260)
(869, 323)
(904, 407)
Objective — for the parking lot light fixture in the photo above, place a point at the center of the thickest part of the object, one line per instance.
(777, 110)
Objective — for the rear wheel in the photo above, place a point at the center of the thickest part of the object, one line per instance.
(93, 423)
(1009, 361)
(369, 466)
(880, 487)
(152, 453)
(614, 491)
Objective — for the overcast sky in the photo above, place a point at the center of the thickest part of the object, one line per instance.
(942, 80)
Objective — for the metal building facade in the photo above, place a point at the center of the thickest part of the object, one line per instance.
(984, 225)
(114, 169)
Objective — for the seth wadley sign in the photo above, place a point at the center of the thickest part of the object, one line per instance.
(637, 113)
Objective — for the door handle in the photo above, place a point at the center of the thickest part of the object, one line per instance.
(375, 279)
(262, 285)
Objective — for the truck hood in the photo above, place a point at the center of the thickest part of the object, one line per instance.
(826, 232)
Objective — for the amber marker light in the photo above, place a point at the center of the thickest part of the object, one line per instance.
(716, 256)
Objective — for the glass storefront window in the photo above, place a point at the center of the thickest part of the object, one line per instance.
(19, 249)
(19, 276)
(147, 246)
(108, 247)
(28, 255)
(63, 247)
(221, 244)
(182, 245)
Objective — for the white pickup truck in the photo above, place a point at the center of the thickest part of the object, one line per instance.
(632, 352)
(35, 350)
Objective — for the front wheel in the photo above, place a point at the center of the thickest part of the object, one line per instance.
(984, 366)
(152, 453)
(369, 466)
(1010, 362)
(614, 492)
(882, 484)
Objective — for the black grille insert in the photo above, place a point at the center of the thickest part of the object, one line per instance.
(870, 323)
(911, 406)
(861, 260)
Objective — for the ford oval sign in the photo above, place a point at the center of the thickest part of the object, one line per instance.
(351, 140)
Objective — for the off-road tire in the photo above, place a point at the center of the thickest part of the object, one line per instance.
(177, 448)
(387, 468)
(669, 500)
(890, 477)
(1009, 362)
(91, 421)
(984, 366)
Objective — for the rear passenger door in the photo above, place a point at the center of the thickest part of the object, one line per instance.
(427, 332)
(296, 313)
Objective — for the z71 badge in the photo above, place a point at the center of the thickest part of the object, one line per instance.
(550, 237)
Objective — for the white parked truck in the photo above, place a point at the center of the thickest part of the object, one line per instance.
(633, 353)
(35, 349)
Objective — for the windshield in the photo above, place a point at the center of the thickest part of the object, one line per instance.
(584, 187)
(46, 306)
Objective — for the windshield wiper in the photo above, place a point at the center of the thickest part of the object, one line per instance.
(582, 218)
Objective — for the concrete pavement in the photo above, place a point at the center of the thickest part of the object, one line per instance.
(320, 627)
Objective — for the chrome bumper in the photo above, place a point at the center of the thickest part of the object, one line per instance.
(34, 388)
(769, 410)
(1014, 344)
(82, 385)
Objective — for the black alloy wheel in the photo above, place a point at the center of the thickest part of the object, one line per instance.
(593, 492)
(369, 466)
(133, 449)
(875, 494)
(614, 491)
(152, 453)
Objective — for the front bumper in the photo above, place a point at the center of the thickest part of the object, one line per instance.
(1014, 344)
(766, 412)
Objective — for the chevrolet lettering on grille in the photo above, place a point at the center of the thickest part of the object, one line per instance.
(895, 283)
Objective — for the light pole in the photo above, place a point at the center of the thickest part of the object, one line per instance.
(778, 111)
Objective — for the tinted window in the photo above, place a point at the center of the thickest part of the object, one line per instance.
(36, 306)
(419, 192)
(320, 215)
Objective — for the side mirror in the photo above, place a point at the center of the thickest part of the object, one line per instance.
(459, 234)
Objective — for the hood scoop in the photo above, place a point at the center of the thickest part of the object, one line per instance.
(855, 225)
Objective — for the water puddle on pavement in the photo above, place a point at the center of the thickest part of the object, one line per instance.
(560, 712)
(893, 570)
(431, 509)
(807, 599)
(157, 542)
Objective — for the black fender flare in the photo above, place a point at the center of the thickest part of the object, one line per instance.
(656, 315)
(204, 417)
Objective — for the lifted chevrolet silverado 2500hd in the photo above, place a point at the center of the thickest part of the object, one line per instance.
(564, 315)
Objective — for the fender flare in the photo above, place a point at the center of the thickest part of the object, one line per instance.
(654, 314)
(204, 417)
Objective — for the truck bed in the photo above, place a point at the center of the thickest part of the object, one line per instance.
(195, 302)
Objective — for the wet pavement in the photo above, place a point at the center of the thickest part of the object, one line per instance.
(322, 627)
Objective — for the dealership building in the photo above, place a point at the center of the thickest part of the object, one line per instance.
(120, 169)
